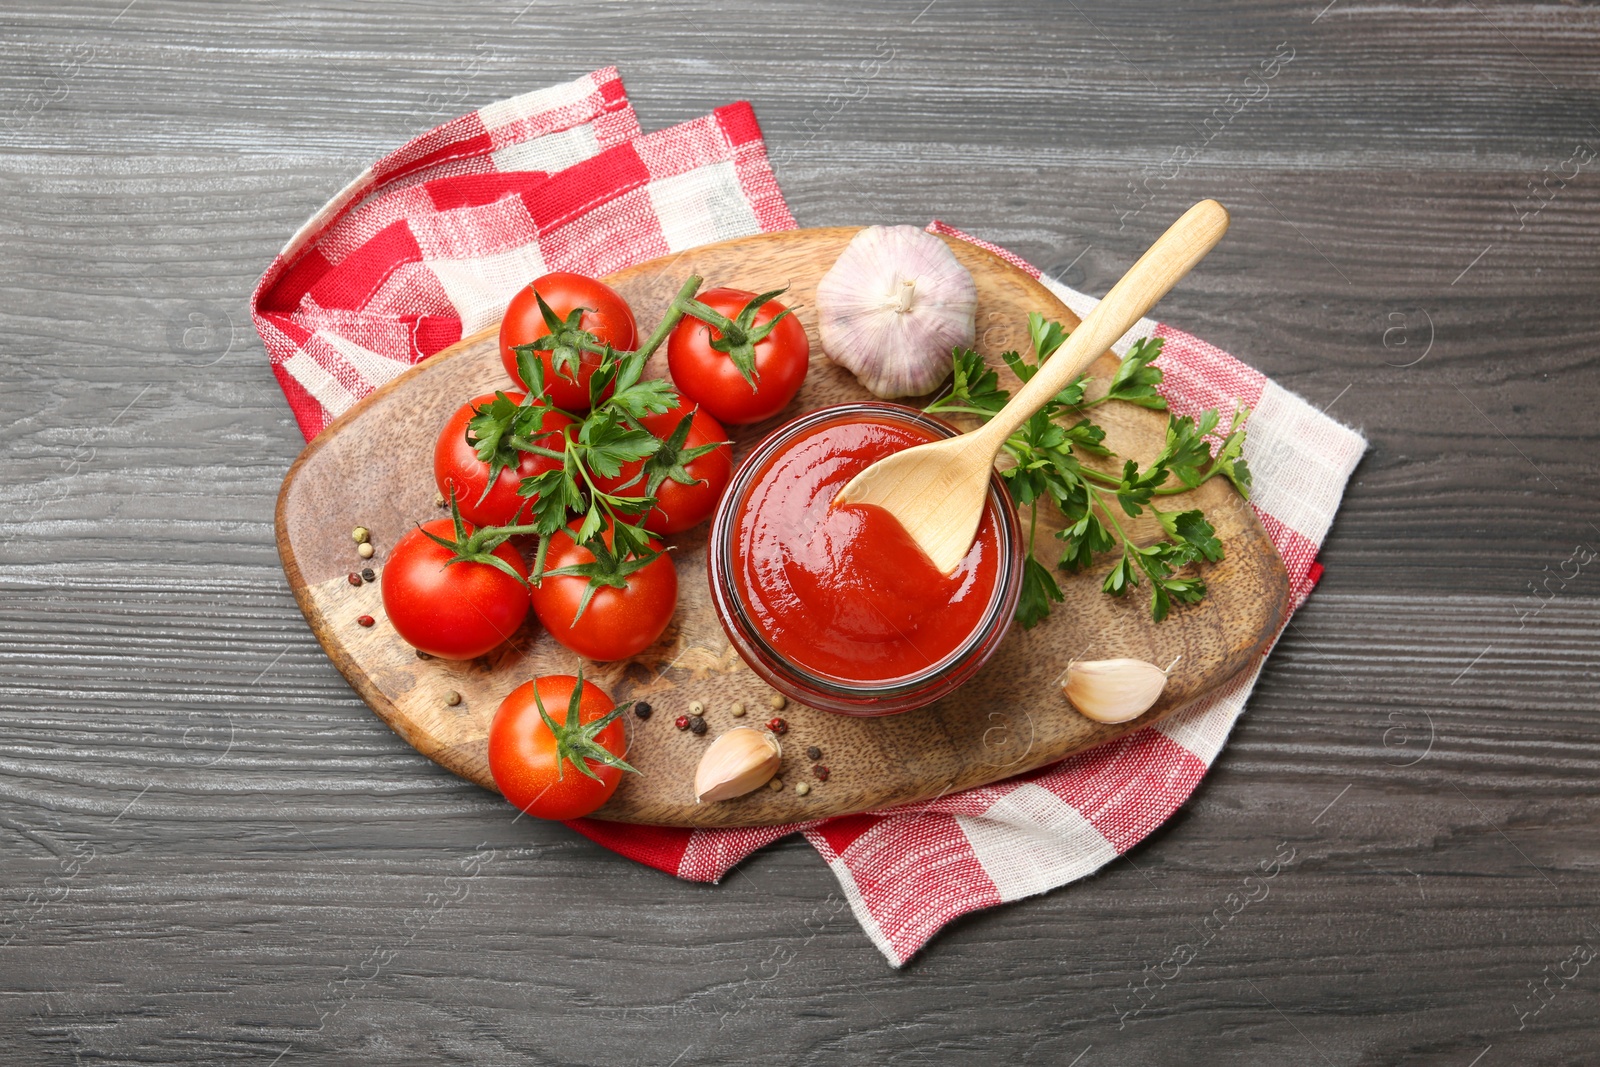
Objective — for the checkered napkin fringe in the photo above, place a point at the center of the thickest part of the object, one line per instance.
(428, 244)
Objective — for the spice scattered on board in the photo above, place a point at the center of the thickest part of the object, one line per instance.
(353, 578)
(802, 789)
(681, 722)
(737, 711)
(365, 620)
(360, 535)
(364, 550)
(777, 726)
(820, 772)
(813, 753)
(642, 709)
(697, 725)
(452, 698)
(776, 702)
(368, 574)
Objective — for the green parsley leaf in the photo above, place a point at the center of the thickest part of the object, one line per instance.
(1046, 336)
(1187, 452)
(608, 443)
(974, 386)
(1191, 528)
(1083, 540)
(1039, 589)
(1135, 380)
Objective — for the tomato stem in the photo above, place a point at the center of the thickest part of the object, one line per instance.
(675, 312)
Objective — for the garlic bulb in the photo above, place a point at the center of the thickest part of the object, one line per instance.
(1114, 690)
(892, 307)
(737, 762)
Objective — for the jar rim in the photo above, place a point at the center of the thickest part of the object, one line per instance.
(733, 611)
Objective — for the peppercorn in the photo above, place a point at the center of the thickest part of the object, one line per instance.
(737, 711)
(353, 578)
(821, 772)
(777, 702)
(365, 550)
(360, 535)
(696, 708)
(365, 620)
(452, 698)
(802, 789)
(681, 722)
(697, 725)
(423, 655)
(641, 709)
(777, 726)
(776, 785)
(439, 501)
(813, 753)
(368, 574)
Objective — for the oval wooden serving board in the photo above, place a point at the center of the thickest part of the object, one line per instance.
(373, 467)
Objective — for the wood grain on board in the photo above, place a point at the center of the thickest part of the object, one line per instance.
(373, 468)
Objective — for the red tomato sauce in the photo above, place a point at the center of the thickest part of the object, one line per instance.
(844, 592)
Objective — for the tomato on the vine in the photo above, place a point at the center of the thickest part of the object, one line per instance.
(689, 471)
(461, 466)
(605, 316)
(556, 745)
(746, 368)
(599, 606)
(445, 597)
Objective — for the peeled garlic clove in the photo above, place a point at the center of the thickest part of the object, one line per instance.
(1114, 690)
(892, 307)
(737, 762)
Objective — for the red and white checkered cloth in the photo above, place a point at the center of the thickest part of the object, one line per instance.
(428, 245)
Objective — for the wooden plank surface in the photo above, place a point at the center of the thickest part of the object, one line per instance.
(210, 852)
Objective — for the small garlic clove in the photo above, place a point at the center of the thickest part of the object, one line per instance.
(1113, 690)
(737, 762)
(893, 306)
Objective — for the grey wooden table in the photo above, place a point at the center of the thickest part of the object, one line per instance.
(210, 851)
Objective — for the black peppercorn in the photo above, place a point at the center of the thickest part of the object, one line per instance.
(813, 753)
(368, 574)
(697, 724)
(641, 709)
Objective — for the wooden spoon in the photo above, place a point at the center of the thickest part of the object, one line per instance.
(937, 490)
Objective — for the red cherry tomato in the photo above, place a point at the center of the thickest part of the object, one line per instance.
(606, 315)
(456, 466)
(711, 377)
(680, 507)
(617, 623)
(458, 611)
(523, 755)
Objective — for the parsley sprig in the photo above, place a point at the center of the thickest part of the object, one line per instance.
(591, 447)
(1045, 465)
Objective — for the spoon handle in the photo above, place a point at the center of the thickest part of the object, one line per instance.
(1161, 267)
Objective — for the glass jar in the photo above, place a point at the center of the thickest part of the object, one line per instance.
(855, 697)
